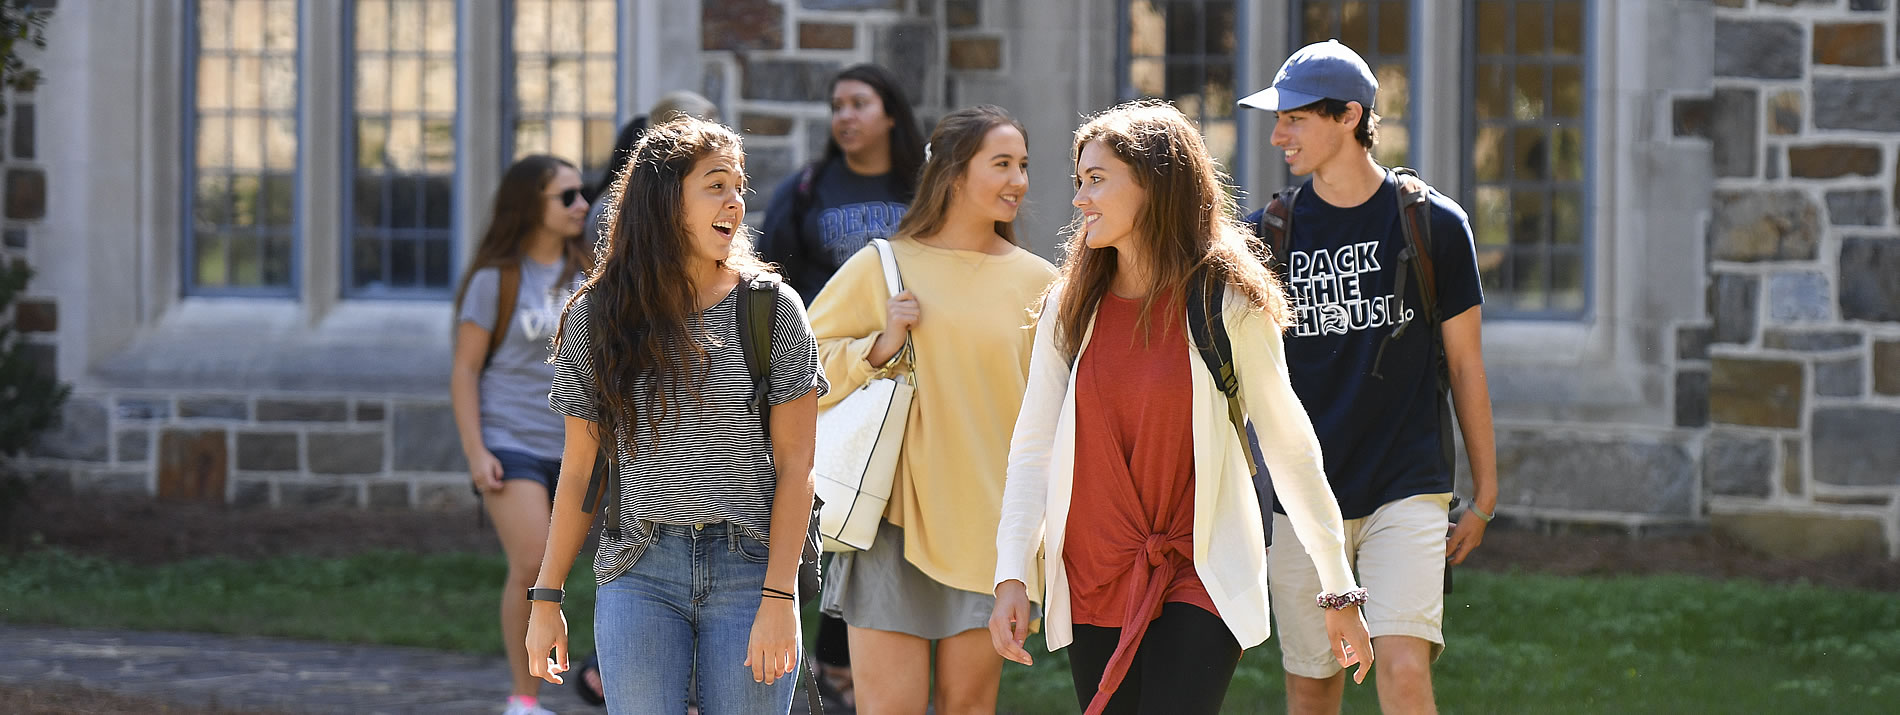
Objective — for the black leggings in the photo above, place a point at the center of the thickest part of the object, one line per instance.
(1183, 665)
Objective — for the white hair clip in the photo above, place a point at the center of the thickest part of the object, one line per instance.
(926, 151)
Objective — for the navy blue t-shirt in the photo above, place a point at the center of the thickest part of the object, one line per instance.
(1379, 435)
(845, 211)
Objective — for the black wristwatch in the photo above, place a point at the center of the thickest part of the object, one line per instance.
(546, 594)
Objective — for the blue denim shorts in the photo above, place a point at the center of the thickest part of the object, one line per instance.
(521, 465)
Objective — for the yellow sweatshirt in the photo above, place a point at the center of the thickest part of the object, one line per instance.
(973, 342)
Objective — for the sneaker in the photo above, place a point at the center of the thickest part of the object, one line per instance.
(518, 709)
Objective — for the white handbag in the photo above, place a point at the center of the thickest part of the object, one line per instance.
(858, 441)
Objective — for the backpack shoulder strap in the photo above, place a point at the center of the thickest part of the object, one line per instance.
(1208, 330)
(1276, 229)
(758, 316)
(505, 296)
(1415, 212)
(803, 190)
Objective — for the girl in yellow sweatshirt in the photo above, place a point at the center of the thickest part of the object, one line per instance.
(968, 289)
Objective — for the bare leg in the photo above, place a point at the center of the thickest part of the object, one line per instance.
(968, 672)
(1318, 696)
(520, 512)
(892, 672)
(1404, 670)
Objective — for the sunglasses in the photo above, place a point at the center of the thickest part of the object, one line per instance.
(567, 197)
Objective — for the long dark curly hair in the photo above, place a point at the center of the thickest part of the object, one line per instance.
(642, 318)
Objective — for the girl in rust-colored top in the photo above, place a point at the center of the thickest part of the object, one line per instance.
(1124, 436)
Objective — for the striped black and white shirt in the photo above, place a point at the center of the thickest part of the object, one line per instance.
(710, 461)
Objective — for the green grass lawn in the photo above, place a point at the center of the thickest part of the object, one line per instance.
(1520, 643)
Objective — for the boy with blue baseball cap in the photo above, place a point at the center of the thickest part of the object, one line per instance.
(1365, 251)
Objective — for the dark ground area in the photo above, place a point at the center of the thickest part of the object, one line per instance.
(146, 532)
(142, 531)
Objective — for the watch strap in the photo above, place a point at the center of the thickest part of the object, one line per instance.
(553, 595)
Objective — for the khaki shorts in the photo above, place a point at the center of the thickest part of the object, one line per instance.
(1399, 554)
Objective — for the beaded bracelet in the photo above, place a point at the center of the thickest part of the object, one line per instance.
(1336, 601)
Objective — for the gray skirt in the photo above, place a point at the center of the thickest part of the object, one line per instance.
(878, 589)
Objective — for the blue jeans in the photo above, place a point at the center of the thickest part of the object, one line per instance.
(688, 601)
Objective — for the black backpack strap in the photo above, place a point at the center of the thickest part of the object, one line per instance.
(1415, 221)
(757, 318)
(1275, 229)
(1209, 333)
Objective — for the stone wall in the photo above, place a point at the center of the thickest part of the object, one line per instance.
(257, 449)
(1800, 357)
(769, 63)
(35, 314)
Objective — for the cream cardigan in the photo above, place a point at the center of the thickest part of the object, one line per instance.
(1230, 553)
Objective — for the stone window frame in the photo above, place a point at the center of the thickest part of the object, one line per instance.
(193, 55)
(387, 235)
(1242, 162)
(159, 339)
(1550, 186)
(590, 163)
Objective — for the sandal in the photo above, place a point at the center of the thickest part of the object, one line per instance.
(835, 685)
(581, 686)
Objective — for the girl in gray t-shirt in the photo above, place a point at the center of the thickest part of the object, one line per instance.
(533, 253)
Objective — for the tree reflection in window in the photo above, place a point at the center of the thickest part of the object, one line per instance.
(243, 148)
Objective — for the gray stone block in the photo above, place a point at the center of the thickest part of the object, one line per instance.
(1857, 103)
(1805, 535)
(81, 435)
(1862, 207)
(388, 495)
(1830, 161)
(1839, 378)
(1809, 340)
(1692, 342)
(425, 439)
(1793, 480)
(144, 408)
(1737, 465)
(250, 493)
(270, 410)
(305, 495)
(26, 194)
(437, 496)
(1866, 5)
(1784, 112)
(767, 166)
(1735, 132)
(787, 80)
(268, 452)
(1732, 300)
(850, 4)
(909, 50)
(1772, 225)
(1799, 296)
(1856, 446)
(120, 482)
(962, 13)
(1868, 287)
(23, 134)
(214, 408)
(369, 411)
(135, 445)
(1763, 49)
(13, 238)
(345, 452)
(1634, 474)
(1692, 398)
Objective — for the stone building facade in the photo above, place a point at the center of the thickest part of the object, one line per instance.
(1686, 213)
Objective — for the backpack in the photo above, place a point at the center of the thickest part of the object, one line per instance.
(1274, 231)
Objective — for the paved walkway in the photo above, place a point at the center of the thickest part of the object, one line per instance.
(268, 673)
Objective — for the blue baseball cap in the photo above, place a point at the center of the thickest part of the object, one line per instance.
(1322, 70)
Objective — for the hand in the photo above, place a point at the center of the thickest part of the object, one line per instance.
(901, 313)
(1466, 534)
(1346, 630)
(547, 630)
(773, 651)
(1009, 621)
(484, 470)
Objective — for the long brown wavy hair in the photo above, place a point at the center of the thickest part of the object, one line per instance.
(1190, 221)
(520, 206)
(642, 313)
(954, 143)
